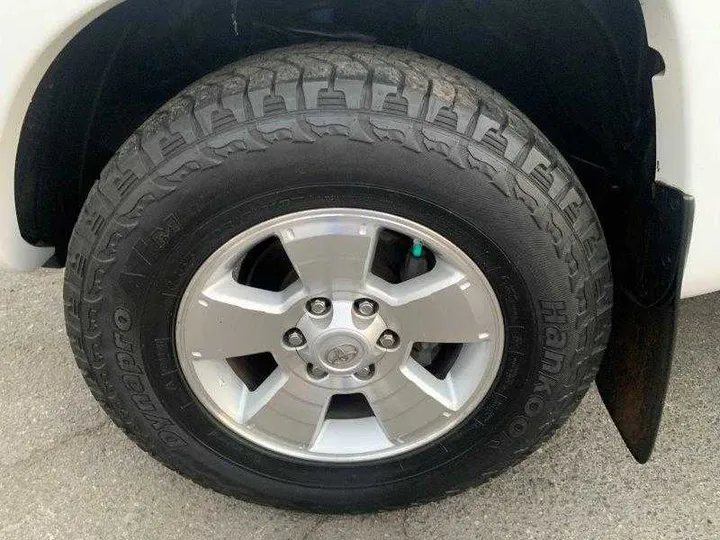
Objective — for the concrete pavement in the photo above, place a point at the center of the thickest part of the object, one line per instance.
(67, 472)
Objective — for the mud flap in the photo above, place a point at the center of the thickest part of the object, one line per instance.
(633, 377)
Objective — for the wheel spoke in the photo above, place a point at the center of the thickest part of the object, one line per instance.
(409, 399)
(331, 254)
(231, 320)
(441, 306)
(286, 408)
(356, 436)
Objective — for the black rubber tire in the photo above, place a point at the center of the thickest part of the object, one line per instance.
(337, 125)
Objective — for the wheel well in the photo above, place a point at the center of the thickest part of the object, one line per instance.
(580, 69)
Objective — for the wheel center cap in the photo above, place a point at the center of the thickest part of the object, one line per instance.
(340, 352)
(342, 355)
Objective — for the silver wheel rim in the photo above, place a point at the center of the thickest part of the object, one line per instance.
(331, 251)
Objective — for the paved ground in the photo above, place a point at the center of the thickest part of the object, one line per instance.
(66, 472)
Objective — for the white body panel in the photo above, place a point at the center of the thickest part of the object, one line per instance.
(684, 31)
(687, 34)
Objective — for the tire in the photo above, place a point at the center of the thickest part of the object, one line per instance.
(337, 126)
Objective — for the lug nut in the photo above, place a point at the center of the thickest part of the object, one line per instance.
(294, 338)
(365, 373)
(388, 339)
(318, 306)
(315, 372)
(366, 307)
